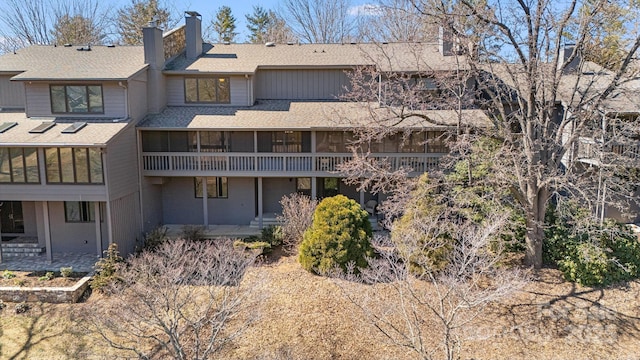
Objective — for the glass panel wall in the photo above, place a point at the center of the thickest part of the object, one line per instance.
(19, 165)
(74, 165)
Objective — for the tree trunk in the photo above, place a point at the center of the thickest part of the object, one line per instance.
(535, 229)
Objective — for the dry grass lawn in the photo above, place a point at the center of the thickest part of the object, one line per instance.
(306, 317)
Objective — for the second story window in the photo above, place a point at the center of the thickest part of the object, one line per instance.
(74, 166)
(76, 99)
(19, 165)
(207, 90)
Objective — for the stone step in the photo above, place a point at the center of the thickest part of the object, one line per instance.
(21, 254)
(20, 245)
(23, 250)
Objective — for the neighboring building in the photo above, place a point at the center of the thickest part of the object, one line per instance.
(101, 144)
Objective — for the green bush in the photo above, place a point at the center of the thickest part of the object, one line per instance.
(106, 268)
(272, 235)
(593, 254)
(66, 271)
(263, 246)
(8, 274)
(339, 235)
(47, 276)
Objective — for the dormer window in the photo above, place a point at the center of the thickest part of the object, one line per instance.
(76, 99)
(213, 90)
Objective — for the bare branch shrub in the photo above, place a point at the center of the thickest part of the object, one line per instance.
(182, 301)
(192, 232)
(409, 309)
(296, 218)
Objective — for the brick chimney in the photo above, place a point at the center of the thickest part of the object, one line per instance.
(193, 34)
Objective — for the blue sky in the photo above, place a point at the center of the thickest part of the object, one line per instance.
(239, 8)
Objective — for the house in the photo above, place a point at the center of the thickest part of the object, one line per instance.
(100, 144)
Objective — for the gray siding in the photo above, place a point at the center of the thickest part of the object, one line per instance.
(151, 205)
(67, 192)
(70, 237)
(122, 164)
(122, 182)
(180, 206)
(125, 220)
(300, 84)
(29, 217)
(238, 86)
(11, 93)
(39, 100)
(273, 189)
(137, 94)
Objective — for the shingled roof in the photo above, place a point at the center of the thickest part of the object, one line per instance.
(248, 58)
(40, 62)
(289, 115)
(95, 133)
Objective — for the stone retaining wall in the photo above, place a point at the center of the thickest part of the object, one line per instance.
(55, 295)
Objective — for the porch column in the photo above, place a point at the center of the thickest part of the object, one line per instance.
(362, 197)
(260, 202)
(205, 203)
(314, 188)
(96, 211)
(47, 230)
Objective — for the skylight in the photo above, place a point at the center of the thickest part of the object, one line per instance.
(74, 128)
(6, 126)
(46, 125)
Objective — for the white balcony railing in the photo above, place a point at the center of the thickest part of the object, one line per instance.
(590, 149)
(186, 164)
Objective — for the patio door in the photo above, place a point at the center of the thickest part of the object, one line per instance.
(11, 220)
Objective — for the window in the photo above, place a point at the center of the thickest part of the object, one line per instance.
(330, 187)
(215, 141)
(74, 165)
(207, 90)
(303, 186)
(169, 141)
(334, 141)
(284, 141)
(216, 187)
(19, 165)
(79, 211)
(436, 142)
(76, 99)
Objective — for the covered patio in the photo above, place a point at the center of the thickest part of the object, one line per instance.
(79, 262)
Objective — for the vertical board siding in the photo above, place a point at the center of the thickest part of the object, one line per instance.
(325, 84)
(39, 100)
(125, 223)
(238, 88)
(137, 94)
(122, 182)
(122, 163)
(11, 92)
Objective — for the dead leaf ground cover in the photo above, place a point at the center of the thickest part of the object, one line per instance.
(304, 316)
(38, 279)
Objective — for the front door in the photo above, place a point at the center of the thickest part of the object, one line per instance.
(11, 220)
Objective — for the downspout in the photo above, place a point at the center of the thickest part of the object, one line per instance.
(126, 102)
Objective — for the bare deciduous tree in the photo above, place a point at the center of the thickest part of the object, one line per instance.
(413, 306)
(47, 22)
(183, 300)
(394, 21)
(318, 21)
(139, 13)
(547, 106)
(296, 218)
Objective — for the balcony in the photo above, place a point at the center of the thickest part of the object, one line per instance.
(270, 164)
(593, 152)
